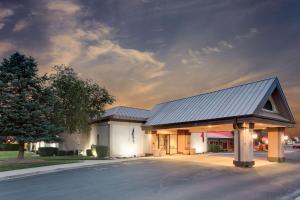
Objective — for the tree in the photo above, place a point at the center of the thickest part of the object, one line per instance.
(82, 100)
(28, 106)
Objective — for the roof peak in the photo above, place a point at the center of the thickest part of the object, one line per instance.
(117, 107)
(205, 93)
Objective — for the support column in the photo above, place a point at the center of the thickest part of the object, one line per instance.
(243, 145)
(276, 144)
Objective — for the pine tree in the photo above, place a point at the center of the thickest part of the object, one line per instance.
(29, 110)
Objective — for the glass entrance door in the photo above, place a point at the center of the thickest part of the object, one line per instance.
(164, 142)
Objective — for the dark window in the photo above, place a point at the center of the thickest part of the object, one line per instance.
(268, 106)
(98, 139)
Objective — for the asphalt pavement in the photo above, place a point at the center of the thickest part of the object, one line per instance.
(161, 179)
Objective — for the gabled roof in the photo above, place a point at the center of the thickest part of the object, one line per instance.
(242, 100)
(126, 113)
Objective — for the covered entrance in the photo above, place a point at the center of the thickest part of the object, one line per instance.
(176, 126)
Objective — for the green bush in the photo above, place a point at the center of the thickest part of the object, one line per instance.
(48, 151)
(213, 148)
(70, 153)
(61, 153)
(101, 151)
(9, 147)
(89, 152)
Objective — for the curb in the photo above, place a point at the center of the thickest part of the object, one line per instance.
(58, 168)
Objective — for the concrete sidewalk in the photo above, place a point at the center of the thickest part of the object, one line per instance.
(6, 175)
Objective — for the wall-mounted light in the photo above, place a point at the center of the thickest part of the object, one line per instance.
(286, 137)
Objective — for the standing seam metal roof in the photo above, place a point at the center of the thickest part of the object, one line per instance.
(230, 102)
(127, 113)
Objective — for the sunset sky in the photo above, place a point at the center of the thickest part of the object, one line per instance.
(148, 51)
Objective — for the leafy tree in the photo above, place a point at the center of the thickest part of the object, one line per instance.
(82, 100)
(28, 106)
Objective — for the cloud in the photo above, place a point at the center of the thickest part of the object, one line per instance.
(226, 44)
(90, 47)
(193, 58)
(5, 47)
(66, 7)
(220, 46)
(249, 34)
(20, 25)
(4, 14)
(209, 50)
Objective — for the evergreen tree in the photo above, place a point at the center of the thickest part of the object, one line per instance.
(29, 110)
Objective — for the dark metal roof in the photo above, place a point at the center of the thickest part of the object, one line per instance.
(126, 113)
(236, 102)
(242, 100)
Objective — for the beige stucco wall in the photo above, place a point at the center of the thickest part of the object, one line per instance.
(84, 141)
(246, 144)
(122, 144)
(276, 144)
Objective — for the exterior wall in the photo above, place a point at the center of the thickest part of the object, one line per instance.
(37, 145)
(70, 141)
(149, 143)
(275, 144)
(173, 144)
(84, 141)
(198, 143)
(125, 143)
(89, 139)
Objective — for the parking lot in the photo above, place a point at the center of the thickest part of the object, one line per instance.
(178, 177)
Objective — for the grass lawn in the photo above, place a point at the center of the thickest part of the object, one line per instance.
(6, 155)
(14, 166)
(8, 160)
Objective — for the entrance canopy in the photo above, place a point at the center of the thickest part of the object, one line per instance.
(262, 102)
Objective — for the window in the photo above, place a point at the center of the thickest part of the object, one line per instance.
(98, 139)
(270, 106)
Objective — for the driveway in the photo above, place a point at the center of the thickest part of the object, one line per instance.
(178, 178)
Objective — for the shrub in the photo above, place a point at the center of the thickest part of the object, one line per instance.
(101, 151)
(61, 153)
(89, 152)
(76, 152)
(70, 153)
(9, 147)
(47, 151)
(213, 148)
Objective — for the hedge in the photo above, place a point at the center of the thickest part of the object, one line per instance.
(89, 152)
(102, 151)
(61, 153)
(70, 153)
(48, 151)
(213, 148)
(9, 147)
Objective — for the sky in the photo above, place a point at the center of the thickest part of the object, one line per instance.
(149, 51)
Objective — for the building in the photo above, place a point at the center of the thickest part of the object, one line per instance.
(177, 127)
(223, 139)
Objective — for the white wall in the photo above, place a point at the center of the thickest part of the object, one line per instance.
(197, 142)
(121, 141)
(37, 145)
